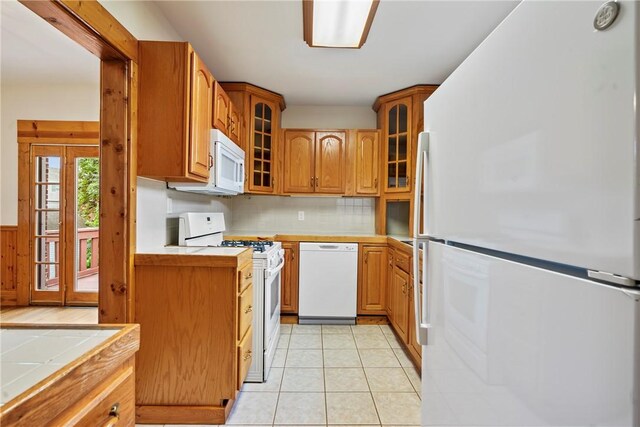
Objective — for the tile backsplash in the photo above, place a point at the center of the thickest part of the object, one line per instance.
(321, 214)
(159, 207)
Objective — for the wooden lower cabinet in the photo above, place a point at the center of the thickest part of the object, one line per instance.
(412, 343)
(289, 286)
(372, 274)
(400, 302)
(195, 315)
(390, 255)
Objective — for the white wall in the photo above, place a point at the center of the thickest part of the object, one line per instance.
(143, 19)
(40, 102)
(328, 117)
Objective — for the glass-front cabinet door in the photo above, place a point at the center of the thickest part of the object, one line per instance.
(398, 146)
(262, 158)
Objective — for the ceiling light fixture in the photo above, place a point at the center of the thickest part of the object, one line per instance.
(337, 23)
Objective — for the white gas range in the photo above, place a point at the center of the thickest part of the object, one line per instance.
(205, 229)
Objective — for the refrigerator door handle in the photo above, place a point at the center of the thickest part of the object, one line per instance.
(420, 298)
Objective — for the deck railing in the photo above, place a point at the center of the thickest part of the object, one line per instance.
(88, 253)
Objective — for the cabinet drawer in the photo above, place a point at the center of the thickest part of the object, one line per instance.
(245, 355)
(403, 261)
(245, 311)
(245, 277)
(110, 404)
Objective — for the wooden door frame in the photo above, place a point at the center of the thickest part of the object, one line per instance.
(49, 133)
(93, 27)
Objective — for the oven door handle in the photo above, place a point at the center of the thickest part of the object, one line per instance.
(273, 271)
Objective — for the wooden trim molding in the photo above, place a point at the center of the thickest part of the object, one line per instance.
(307, 21)
(8, 265)
(307, 24)
(402, 93)
(255, 90)
(58, 132)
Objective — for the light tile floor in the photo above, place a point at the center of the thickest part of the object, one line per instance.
(335, 375)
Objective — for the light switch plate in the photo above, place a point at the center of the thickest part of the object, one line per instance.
(300, 215)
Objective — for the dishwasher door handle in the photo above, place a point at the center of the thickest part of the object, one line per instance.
(328, 246)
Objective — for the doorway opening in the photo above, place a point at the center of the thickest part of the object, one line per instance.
(63, 223)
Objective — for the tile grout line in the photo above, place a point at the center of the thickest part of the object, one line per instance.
(284, 369)
(404, 371)
(367, 378)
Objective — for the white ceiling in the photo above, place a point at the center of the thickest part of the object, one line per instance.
(35, 52)
(261, 42)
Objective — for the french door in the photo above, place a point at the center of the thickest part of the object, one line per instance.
(64, 205)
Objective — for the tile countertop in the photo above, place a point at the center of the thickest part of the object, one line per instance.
(193, 250)
(30, 355)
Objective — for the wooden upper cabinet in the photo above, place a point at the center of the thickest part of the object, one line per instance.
(221, 108)
(255, 117)
(398, 146)
(262, 160)
(400, 118)
(226, 116)
(314, 161)
(299, 164)
(199, 139)
(372, 280)
(174, 112)
(367, 162)
(330, 162)
(235, 124)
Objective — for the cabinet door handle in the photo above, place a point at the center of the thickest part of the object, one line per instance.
(375, 183)
(210, 161)
(317, 181)
(293, 255)
(249, 309)
(408, 181)
(273, 181)
(312, 181)
(366, 257)
(248, 276)
(404, 288)
(247, 355)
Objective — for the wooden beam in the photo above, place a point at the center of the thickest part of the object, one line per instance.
(51, 131)
(90, 25)
(114, 192)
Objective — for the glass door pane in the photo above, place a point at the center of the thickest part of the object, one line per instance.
(83, 172)
(46, 216)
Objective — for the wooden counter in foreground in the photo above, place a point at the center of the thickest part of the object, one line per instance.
(96, 388)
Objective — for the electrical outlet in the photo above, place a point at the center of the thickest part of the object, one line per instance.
(169, 205)
(300, 215)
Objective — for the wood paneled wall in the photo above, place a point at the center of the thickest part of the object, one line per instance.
(8, 268)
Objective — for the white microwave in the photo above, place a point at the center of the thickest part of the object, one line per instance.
(226, 173)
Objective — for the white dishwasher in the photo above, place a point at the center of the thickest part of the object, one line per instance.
(328, 284)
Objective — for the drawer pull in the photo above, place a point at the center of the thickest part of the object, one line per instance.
(114, 416)
(247, 355)
(249, 309)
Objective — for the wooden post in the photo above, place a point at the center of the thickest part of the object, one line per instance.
(114, 191)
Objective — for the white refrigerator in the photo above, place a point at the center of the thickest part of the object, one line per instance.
(529, 165)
